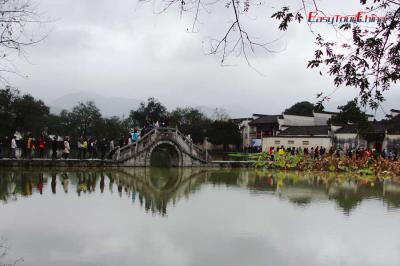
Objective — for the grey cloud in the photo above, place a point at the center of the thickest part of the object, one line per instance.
(122, 48)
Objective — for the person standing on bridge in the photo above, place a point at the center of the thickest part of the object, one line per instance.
(54, 146)
(103, 147)
(13, 147)
(42, 146)
(91, 147)
(29, 146)
(67, 148)
(84, 147)
(94, 148)
(165, 122)
(135, 135)
(143, 131)
(80, 148)
(112, 149)
(147, 127)
(121, 141)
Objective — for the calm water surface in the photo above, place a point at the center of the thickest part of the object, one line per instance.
(196, 217)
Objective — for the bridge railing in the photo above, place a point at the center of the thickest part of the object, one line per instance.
(199, 151)
(130, 150)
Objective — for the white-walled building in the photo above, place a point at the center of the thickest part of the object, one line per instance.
(268, 130)
(300, 136)
(290, 130)
(347, 137)
(304, 131)
(245, 130)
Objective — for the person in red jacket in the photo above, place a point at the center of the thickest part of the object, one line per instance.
(42, 146)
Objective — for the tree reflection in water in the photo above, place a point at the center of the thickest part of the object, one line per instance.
(156, 190)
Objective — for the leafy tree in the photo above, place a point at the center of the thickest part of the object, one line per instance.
(371, 61)
(83, 118)
(220, 114)
(151, 111)
(303, 108)
(319, 107)
(59, 124)
(112, 127)
(30, 115)
(190, 121)
(7, 116)
(21, 113)
(73, 124)
(351, 113)
(225, 133)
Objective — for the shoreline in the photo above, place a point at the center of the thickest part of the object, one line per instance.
(94, 163)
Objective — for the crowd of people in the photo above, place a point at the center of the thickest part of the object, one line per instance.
(318, 152)
(55, 147)
(85, 147)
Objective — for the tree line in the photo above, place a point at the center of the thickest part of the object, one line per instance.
(24, 114)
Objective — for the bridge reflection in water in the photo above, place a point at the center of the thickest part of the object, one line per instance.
(159, 189)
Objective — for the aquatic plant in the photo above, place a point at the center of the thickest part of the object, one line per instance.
(367, 166)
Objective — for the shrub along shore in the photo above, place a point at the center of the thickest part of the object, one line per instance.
(368, 166)
(374, 166)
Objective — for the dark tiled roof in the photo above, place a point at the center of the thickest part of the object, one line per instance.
(326, 112)
(240, 120)
(335, 113)
(307, 115)
(393, 125)
(378, 127)
(266, 119)
(347, 129)
(305, 131)
(395, 111)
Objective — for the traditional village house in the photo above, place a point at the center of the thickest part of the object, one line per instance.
(314, 130)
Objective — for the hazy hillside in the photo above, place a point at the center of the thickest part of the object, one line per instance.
(108, 105)
(233, 111)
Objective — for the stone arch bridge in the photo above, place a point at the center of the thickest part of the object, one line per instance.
(161, 147)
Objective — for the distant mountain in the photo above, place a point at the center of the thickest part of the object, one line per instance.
(116, 106)
(233, 111)
(208, 111)
(108, 105)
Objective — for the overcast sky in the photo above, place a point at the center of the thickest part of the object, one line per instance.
(122, 48)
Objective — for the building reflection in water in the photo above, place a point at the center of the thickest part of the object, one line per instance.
(157, 190)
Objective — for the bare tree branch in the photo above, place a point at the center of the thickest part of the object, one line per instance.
(19, 24)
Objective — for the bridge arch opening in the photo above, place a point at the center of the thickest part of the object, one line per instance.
(165, 155)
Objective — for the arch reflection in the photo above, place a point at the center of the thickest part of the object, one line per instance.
(156, 190)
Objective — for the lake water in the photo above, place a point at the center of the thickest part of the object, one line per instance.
(196, 217)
